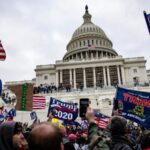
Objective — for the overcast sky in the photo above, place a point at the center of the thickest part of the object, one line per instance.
(36, 32)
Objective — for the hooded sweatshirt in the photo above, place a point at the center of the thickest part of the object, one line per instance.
(6, 135)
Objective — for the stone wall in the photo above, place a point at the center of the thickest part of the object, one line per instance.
(17, 89)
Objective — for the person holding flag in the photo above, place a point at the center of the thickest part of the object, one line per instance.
(95, 134)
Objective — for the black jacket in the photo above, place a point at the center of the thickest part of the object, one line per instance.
(119, 143)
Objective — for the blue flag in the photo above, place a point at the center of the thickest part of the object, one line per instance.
(63, 110)
(147, 19)
(12, 113)
(100, 115)
(0, 87)
(134, 105)
(33, 115)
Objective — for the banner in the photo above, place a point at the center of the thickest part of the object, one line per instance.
(24, 96)
(63, 110)
(134, 105)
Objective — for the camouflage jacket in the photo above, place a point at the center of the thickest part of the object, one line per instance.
(96, 138)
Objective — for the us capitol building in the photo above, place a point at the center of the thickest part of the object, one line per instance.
(91, 61)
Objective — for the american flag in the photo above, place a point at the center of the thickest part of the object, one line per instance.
(39, 102)
(91, 46)
(2, 53)
(102, 120)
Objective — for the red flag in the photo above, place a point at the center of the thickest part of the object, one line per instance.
(39, 102)
(2, 53)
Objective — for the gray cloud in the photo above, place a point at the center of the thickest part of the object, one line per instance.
(37, 32)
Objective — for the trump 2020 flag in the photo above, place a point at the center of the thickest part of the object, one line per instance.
(63, 110)
(2, 53)
(147, 19)
(39, 102)
(134, 105)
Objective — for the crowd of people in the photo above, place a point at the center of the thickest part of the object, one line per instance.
(45, 88)
(53, 88)
(119, 134)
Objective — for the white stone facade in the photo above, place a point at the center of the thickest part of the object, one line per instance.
(101, 99)
(148, 75)
(91, 61)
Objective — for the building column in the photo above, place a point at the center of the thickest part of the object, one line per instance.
(104, 75)
(76, 56)
(123, 75)
(56, 78)
(87, 57)
(74, 78)
(118, 73)
(106, 54)
(108, 75)
(97, 55)
(60, 76)
(92, 55)
(101, 54)
(38, 81)
(84, 78)
(81, 55)
(70, 77)
(94, 77)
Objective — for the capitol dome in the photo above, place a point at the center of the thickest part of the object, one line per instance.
(88, 28)
(89, 41)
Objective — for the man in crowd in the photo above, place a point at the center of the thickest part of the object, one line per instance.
(11, 137)
(118, 129)
(95, 136)
(45, 136)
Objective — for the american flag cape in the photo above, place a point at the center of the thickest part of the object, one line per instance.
(39, 102)
(2, 53)
(101, 120)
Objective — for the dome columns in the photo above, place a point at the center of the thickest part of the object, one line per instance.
(88, 55)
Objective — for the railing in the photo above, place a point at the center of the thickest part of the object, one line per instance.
(104, 89)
